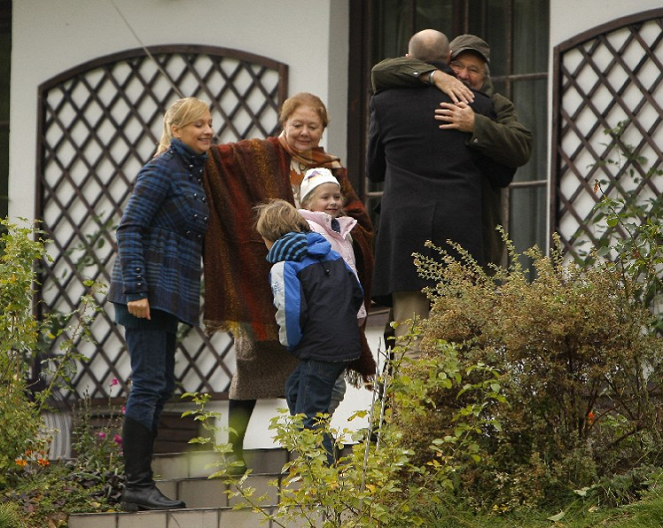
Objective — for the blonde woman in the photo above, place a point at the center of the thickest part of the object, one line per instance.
(155, 283)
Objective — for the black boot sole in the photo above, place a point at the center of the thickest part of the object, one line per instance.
(134, 507)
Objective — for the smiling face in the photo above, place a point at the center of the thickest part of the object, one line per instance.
(196, 135)
(470, 68)
(326, 198)
(303, 129)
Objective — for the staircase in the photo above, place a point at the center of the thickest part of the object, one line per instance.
(184, 476)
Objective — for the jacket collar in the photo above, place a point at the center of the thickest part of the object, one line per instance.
(346, 223)
(187, 153)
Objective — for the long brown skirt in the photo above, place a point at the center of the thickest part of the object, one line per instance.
(262, 369)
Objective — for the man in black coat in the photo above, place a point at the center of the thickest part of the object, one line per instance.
(432, 183)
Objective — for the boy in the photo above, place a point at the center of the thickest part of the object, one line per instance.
(317, 297)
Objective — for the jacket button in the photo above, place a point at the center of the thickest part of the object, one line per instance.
(139, 284)
(195, 217)
(203, 199)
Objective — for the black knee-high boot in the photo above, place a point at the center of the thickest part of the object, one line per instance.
(140, 492)
(239, 414)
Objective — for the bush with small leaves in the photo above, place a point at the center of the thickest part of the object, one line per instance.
(579, 365)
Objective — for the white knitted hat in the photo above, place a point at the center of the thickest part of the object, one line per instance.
(313, 178)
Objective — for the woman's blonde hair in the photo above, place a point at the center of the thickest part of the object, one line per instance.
(181, 113)
(277, 218)
(304, 99)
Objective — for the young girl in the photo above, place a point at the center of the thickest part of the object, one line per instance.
(321, 204)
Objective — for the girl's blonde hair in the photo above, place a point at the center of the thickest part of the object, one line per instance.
(181, 113)
(277, 218)
(304, 99)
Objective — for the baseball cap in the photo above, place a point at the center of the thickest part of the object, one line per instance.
(469, 43)
(314, 178)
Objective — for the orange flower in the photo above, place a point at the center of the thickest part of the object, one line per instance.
(590, 417)
(21, 462)
(43, 462)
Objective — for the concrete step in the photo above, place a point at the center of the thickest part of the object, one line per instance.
(187, 518)
(184, 476)
(204, 463)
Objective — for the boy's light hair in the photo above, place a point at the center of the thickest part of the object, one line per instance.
(277, 218)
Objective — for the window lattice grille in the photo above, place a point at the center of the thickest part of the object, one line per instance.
(99, 124)
(609, 78)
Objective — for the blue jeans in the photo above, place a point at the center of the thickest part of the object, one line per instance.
(153, 374)
(308, 391)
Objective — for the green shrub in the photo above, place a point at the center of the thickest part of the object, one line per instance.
(28, 480)
(382, 480)
(579, 367)
(19, 333)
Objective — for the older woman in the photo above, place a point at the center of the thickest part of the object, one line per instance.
(237, 294)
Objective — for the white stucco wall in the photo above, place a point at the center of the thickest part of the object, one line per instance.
(571, 17)
(52, 36)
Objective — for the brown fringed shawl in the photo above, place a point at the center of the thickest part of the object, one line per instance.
(239, 176)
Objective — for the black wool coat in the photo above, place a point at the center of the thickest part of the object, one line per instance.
(432, 184)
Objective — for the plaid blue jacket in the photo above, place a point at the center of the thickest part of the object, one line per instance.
(161, 234)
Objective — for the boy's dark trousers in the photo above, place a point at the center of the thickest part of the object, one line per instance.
(308, 391)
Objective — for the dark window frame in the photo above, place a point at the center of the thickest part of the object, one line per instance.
(5, 79)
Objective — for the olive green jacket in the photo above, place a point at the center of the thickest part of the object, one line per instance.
(505, 140)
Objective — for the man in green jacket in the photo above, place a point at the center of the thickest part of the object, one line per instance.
(504, 140)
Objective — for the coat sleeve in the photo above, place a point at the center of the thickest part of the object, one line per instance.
(376, 163)
(289, 302)
(505, 140)
(401, 72)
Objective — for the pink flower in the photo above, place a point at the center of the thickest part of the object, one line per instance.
(114, 382)
(124, 409)
(101, 435)
(117, 439)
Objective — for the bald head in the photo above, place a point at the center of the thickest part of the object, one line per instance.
(429, 45)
